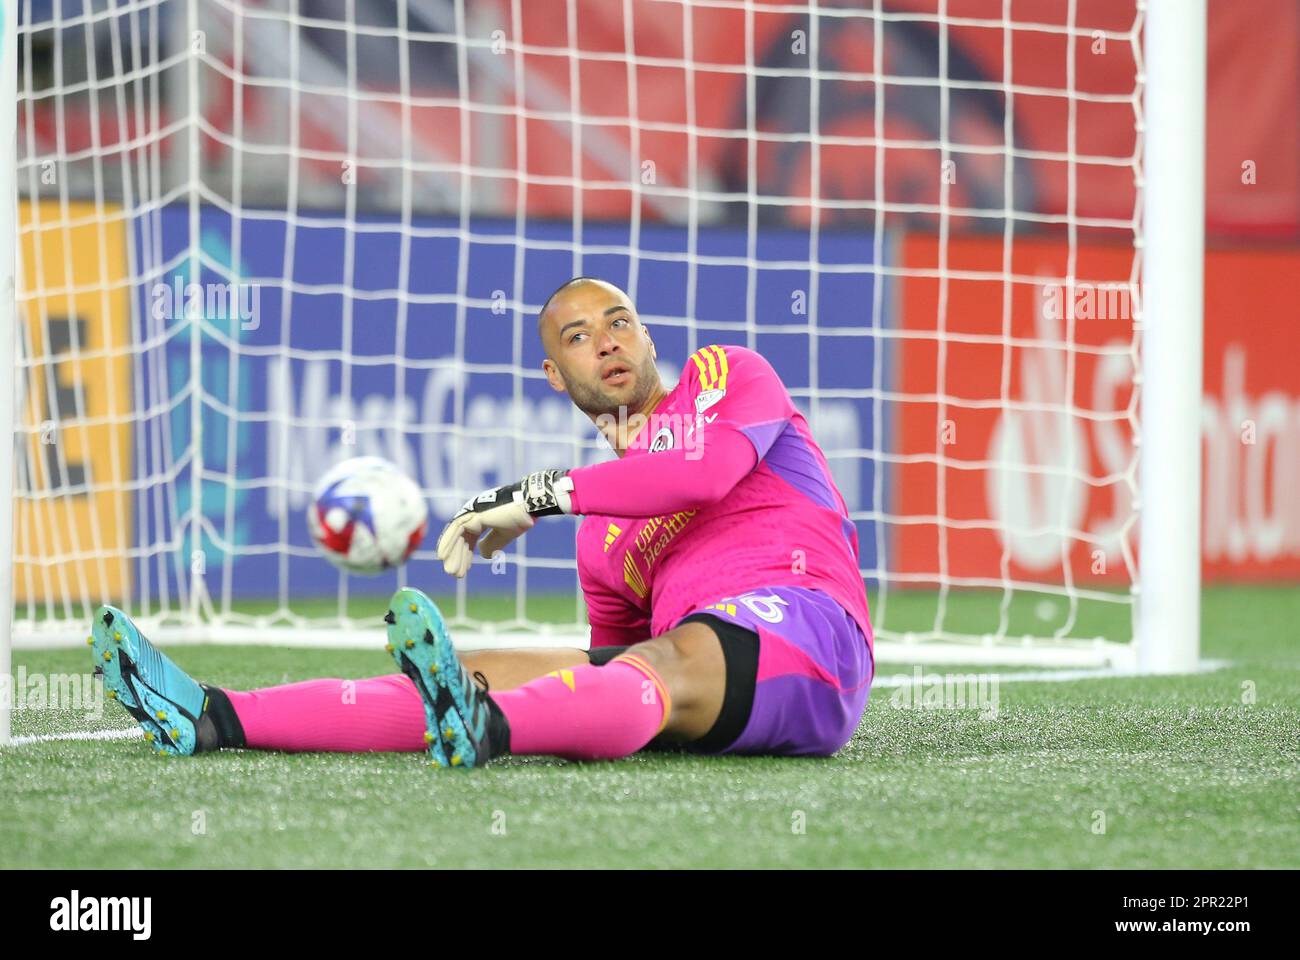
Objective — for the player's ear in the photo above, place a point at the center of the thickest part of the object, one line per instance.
(649, 339)
(553, 375)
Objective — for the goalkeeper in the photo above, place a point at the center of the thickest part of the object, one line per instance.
(716, 557)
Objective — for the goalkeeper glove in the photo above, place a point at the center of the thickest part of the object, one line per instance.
(505, 514)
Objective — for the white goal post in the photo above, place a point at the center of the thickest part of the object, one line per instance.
(1169, 601)
(8, 306)
(244, 238)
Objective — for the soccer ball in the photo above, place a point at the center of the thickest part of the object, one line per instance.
(367, 516)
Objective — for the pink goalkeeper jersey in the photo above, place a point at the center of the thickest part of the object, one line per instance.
(723, 492)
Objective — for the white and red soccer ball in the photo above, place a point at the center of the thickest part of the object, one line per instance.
(367, 516)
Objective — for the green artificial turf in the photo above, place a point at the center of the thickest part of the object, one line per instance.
(1186, 771)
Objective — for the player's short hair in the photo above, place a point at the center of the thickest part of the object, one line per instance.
(572, 282)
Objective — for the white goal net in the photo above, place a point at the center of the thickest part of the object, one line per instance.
(258, 237)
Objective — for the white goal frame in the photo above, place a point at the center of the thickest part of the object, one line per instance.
(8, 339)
(1173, 296)
(1171, 136)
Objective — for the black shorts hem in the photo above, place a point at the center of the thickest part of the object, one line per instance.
(599, 656)
(740, 654)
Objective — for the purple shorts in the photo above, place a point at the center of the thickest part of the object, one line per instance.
(814, 670)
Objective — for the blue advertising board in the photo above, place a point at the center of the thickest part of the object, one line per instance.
(339, 342)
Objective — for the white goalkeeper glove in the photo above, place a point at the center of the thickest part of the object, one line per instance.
(505, 514)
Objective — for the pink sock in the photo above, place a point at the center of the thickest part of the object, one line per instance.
(378, 713)
(587, 713)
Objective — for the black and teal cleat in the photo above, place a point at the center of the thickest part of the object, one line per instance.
(167, 703)
(463, 726)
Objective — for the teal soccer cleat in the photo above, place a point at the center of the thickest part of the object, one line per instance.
(463, 726)
(167, 703)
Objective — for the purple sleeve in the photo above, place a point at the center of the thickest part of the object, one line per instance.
(747, 409)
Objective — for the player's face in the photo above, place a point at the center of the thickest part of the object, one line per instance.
(598, 350)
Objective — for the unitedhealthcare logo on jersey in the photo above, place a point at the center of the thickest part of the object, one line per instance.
(75, 913)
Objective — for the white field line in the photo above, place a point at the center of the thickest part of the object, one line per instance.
(884, 683)
(130, 734)
(900, 679)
